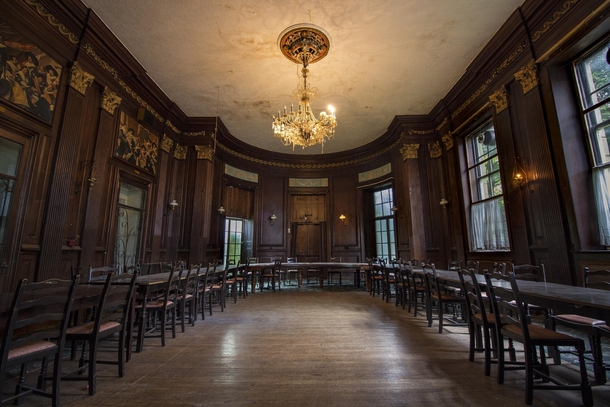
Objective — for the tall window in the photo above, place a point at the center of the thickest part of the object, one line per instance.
(385, 240)
(10, 153)
(593, 76)
(233, 240)
(132, 201)
(489, 231)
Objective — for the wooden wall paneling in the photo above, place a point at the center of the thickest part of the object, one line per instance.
(343, 234)
(157, 239)
(61, 184)
(272, 202)
(185, 205)
(401, 201)
(174, 218)
(453, 238)
(216, 234)
(432, 182)
(96, 229)
(416, 210)
(544, 213)
(201, 209)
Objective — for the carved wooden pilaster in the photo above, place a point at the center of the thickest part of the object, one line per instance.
(435, 149)
(166, 143)
(448, 141)
(204, 153)
(180, 152)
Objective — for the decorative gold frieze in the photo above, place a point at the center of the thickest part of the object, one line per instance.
(204, 153)
(435, 149)
(448, 141)
(110, 100)
(420, 132)
(551, 22)
(527, 76)
(79, 79)
(193, 134)
(166, 143)
(499, 99)
(171, 126)
(495, 73)
(180, 152)
(443, 124)
(409, 151)
(40, 9)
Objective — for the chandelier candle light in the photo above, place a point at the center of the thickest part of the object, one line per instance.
(304, 44)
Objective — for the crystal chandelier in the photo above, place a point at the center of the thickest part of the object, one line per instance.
(304, 44)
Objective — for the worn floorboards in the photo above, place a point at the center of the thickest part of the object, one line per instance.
(311, 347)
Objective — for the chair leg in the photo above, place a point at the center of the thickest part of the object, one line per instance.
(121, 352)
(585, 388)
(529, 374)
(440, 317)
(92, 368)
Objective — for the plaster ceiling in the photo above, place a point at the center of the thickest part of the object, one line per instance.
(387, 57)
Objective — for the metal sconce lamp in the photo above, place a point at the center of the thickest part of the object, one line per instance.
(444, 203)
(519, 174)
(173, 205)
(221, 211)
(272, 218)
(342, 219)
(91, 182)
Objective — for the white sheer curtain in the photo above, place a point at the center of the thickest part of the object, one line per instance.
(601, 186)
(489, 231)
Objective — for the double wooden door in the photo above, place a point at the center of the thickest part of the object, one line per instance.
(308, 241)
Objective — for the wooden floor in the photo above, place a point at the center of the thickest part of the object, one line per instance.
(310, 347)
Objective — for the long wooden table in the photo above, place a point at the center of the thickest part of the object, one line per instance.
(323, 266)
(561, 298)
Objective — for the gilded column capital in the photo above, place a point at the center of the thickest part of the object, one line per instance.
(527, 76)
(166, 143)
(435, 149)
(110, 100)
(204, 153)
(79, 79)
(409, 151)
(180, 152)
(448, 141)
(499, 99)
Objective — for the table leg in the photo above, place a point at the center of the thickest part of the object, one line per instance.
(300, 277)
(142, 326)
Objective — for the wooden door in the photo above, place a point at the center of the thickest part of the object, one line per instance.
(307, 241)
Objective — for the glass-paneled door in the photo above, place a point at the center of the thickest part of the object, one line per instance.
(132, 202)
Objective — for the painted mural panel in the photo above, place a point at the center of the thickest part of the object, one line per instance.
(29, 78)
(137, 145)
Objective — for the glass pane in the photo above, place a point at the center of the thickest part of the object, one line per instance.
(599, 134)
(489, 228)
(127, 239)
(9, 157)
(131, 195)
(594, 77)
(377, 197)
(378, 211)
(6, 193)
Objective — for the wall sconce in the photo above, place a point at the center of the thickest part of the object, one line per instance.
(221, 211)
(91, 182)
(173, 205)
(272, 218)
(342, 219)
(444, 203)
(519, 174)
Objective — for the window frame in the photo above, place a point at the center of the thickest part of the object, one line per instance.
(389, 221)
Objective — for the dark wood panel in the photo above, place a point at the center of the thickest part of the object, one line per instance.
(344, 233)
(272, 202)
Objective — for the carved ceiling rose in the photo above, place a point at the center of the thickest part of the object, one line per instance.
(110, 100)
(204, 153)
(435, 149)
(409, 151)
(499, 99)
(180, 152)
(528, 76)
(166, 143)
(79, 79)
(448, 141)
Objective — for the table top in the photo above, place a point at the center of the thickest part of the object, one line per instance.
(312, 264)
(160, 278)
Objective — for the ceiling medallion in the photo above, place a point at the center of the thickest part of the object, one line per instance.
(304, 44)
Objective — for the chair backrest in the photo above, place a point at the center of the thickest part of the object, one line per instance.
(39, 311)
(100, 273)
(494, 282)
(415, 262)
(115, 300)
(252, 260)
(472, 293)
(454, 265)
(432, 284)
(599, 279)
(188, 281)
(471, 264)
(529, 272)
(499, 268)
(510, 308)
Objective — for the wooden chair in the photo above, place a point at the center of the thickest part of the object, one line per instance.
(334, 271)
(389, 280)
(111, 317)
(437, 293)
(593, 328)
(186, 297)
(312, 270)
(35, 330)
(204, 285)
(100, 273)
(454, 265)
(401, 284)
(417, 289)
(272, 276)
(480, 318)
(376, 269)
(291, 271)
(237, 281)
(161, 309)
(216, 291)
(514, 323)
